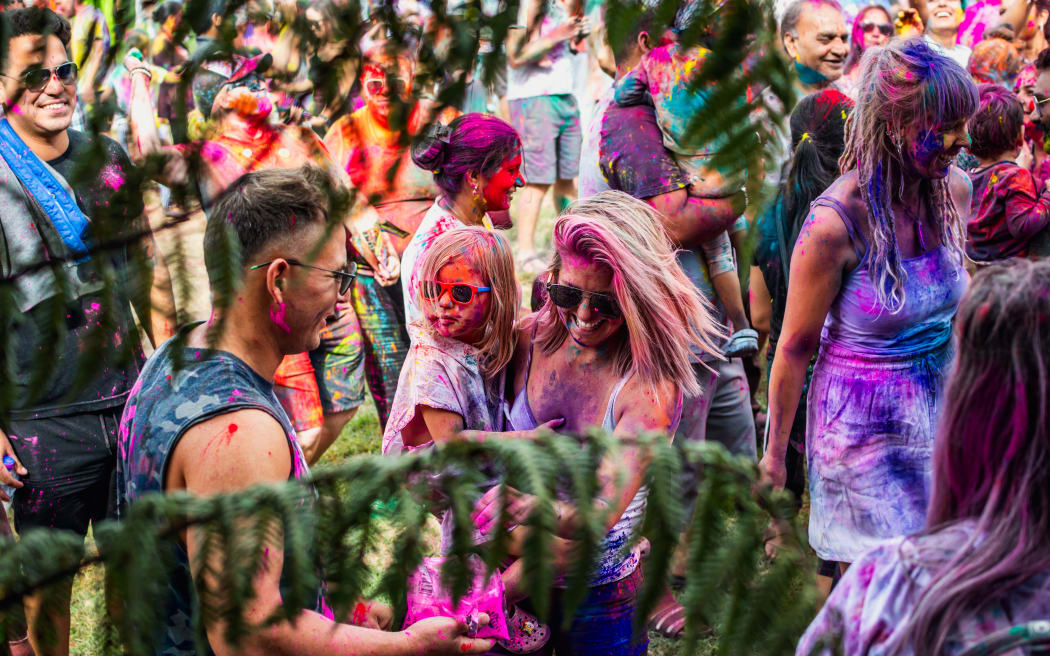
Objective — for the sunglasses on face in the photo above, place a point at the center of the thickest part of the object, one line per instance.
(568, 297)
(376, 86)
(1037, 101)
(871, 26)
(459, 292)
(345, 278)
(36, 79)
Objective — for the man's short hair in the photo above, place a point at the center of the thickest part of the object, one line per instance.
(1042, 60)
(262, 207)
(792, 15)
(32, 21)
(622, 34)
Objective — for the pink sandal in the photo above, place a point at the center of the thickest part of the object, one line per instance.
(527, 633)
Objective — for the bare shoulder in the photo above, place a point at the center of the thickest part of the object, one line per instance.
(230, 451)
(961, 188)
(645, 406)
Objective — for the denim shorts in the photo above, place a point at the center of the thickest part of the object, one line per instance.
(549, 127)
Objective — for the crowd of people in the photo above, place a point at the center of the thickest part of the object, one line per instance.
(898, 293)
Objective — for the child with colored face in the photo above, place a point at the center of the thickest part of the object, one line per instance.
(454, 374)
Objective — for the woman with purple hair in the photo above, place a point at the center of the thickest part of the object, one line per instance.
(980, 568)
(876, 276)
(476, 162)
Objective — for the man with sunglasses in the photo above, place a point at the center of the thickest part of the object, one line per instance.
(206, 420)
(57, 212)
(321, 390)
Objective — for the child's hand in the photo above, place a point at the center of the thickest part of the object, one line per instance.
(543, 429)
(1025, 157)
(908, 23)
(488, 509)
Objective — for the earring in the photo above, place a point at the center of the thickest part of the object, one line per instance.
(479, 201)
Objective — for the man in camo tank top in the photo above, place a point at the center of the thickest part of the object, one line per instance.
(213, 425)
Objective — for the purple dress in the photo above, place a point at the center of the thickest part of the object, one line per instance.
(873, 401)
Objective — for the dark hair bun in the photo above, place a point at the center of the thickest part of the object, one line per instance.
(431, 148)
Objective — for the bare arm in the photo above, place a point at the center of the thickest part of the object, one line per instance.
(822, 254)
(690, 221)
(526, 46)
(155, 302)
(761, 305)
(144, 139)
(248, 447)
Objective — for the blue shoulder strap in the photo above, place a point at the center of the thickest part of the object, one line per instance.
(53, 196)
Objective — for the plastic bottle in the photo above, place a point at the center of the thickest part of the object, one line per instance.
(9, 462)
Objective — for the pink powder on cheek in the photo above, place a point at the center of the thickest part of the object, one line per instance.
(278, 317)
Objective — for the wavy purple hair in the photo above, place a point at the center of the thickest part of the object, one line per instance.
(991, 459)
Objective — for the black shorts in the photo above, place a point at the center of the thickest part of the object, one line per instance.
(72, 470)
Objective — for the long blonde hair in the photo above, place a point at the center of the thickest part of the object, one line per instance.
(488, 252)
(904, 84)
(663, 311)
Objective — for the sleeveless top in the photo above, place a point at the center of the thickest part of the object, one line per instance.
(933, 286)
(162, 406)
(611, 566)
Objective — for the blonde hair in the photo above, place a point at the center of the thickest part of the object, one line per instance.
(663, 312)
(488, 252)
(903, 84)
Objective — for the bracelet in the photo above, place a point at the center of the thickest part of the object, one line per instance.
(142, 69)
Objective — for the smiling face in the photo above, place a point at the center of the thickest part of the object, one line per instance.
(464, 323)
(45, 113)
(821, 41)
(586, 327)
(930, 153)
(945, 16)
(310, 296)
(499, 188)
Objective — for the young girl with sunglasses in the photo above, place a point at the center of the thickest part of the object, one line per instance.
(454, 374)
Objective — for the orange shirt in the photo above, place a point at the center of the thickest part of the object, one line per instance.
(380, 166)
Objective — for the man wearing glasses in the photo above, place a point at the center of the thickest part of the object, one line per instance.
(203, 417)
(62, 432)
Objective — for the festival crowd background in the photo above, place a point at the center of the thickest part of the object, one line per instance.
(886, 362)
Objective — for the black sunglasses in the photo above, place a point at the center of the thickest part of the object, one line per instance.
(345, 278)
(568, 297)
(36, 79)
(871, 26)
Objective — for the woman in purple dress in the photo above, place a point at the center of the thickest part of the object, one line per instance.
(980, 569)
(876, 276)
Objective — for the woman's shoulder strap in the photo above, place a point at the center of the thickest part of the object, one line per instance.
(856, 235)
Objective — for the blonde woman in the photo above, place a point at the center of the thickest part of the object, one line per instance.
(610, 348)
(876, 276)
